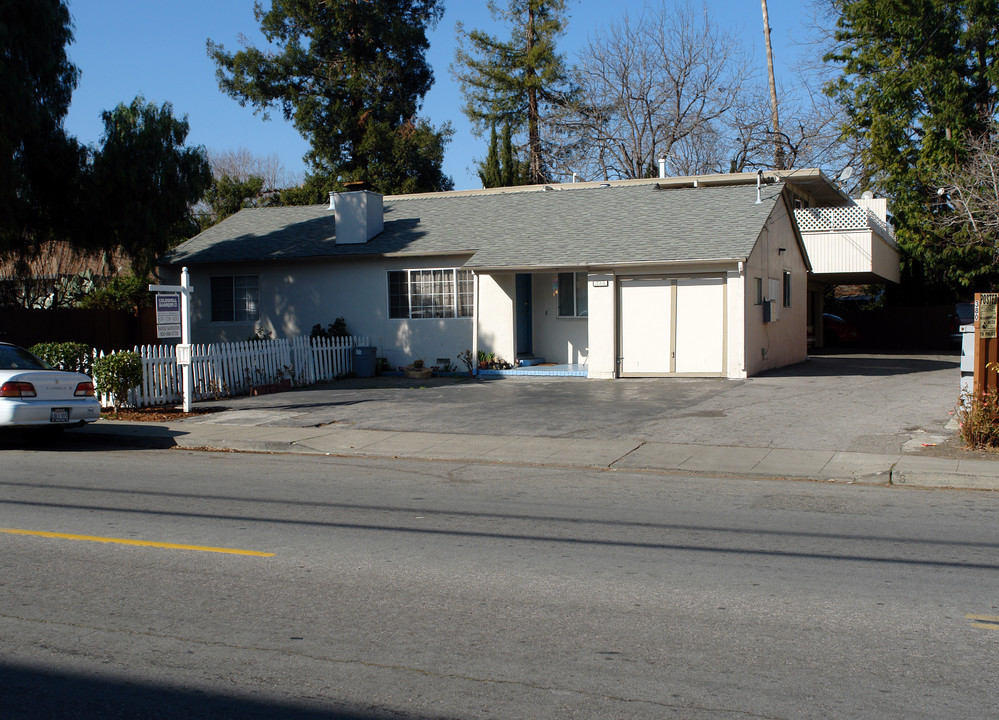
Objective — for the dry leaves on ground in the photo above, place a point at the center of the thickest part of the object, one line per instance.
(155, 414)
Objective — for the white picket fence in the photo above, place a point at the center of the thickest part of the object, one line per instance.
(227, 369)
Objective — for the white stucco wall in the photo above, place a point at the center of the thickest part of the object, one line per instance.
(602, 326)
(735, 308)
(783, 341)
(294, 296)
(557, 340)
(497, 326)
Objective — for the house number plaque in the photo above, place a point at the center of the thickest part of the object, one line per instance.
(987, 307)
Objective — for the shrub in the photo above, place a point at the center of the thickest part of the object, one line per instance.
(978, 419)
(116, 374)
(466, 360)
(336, 329)
(69, 356)
(125, 292)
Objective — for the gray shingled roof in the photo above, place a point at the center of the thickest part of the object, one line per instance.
(560, 228)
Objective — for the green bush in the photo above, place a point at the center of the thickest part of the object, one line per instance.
(69, 356)
(125, 292)
(336, 329)
(116, 374)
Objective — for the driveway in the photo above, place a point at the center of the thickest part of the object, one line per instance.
(876, 403)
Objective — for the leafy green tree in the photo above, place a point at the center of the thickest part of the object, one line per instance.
(226, 196)
(919, 78)
(145, 182)
(515, 81)
(39, 164)
(351, 76)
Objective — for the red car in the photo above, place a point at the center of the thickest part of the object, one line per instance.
(837, 331)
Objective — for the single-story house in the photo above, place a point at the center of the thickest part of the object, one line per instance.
(694, 276)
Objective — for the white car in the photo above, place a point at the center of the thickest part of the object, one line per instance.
(34, 395)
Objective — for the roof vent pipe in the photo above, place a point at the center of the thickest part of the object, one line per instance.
(759, 186)
(662, 167)
(331, 207)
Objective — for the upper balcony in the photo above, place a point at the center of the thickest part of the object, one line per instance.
(851, 244)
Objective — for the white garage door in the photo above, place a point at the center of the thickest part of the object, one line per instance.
(700, 325)
(646, 338)
(672, 326)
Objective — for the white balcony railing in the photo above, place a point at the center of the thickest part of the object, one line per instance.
(843, 219)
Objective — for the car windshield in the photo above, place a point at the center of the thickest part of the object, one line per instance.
(14, 358)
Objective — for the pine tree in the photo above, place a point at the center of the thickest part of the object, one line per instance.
(513, 81)
(513, 170)
(919, 78)
(489, 171)
(351, 76)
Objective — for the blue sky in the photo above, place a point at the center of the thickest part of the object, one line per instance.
(124, 48)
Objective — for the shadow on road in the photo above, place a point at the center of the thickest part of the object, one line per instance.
(32, 693)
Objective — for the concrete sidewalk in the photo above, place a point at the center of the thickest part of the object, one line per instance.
(249, 432)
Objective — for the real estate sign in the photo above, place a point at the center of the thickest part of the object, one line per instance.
(167, 315)
(987, 306)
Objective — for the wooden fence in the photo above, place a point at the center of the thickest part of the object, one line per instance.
(228, 369)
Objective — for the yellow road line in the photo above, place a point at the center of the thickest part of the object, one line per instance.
(141, 543)
(986, 622)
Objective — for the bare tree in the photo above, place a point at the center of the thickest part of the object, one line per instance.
(969, 193)
(648, 88)
(242, 164)
(810, 134)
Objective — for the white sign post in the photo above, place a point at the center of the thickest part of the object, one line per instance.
(169, 319)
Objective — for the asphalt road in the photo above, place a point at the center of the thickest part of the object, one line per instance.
(436, 590)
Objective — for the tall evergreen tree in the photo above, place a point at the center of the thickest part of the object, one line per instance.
(513, 170)
(919, 78)
(39, 164)
(502, 167)
(351, 76)
(489, 171)
(512, 81)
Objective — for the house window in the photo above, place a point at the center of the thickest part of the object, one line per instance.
(572, 295)
(444, 293)
(235, 298)
(759, 291)
(787, 288)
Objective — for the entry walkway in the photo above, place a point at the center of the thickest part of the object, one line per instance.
(544, 370)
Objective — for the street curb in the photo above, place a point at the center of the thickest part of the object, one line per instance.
(874, 470)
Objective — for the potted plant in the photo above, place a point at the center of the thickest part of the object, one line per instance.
(417, 371)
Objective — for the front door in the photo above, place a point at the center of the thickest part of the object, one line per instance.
(525, 327)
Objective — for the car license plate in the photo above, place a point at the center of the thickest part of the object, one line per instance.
(59, 415)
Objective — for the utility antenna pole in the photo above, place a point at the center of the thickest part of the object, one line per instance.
(778, 140)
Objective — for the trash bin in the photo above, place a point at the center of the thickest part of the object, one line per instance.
(364, 361)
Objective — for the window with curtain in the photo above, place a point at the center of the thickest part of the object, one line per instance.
(438, 293)
(235, 298)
